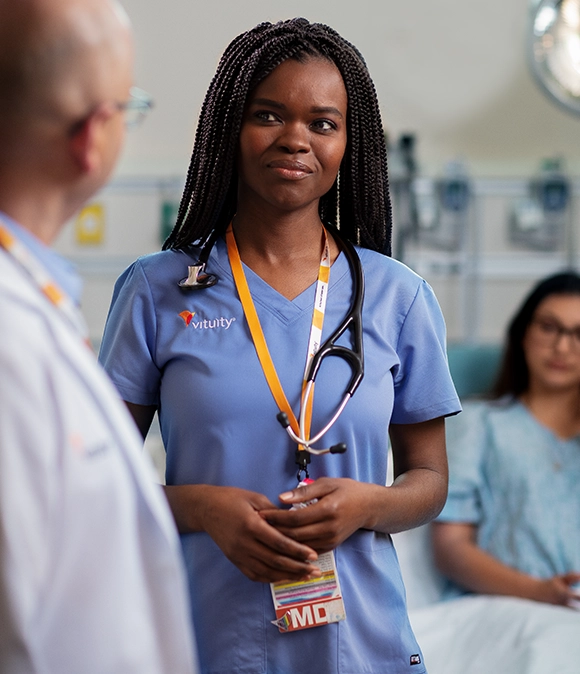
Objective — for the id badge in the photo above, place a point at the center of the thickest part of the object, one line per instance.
(309, 603)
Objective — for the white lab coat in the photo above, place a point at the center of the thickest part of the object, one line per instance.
(91, 579)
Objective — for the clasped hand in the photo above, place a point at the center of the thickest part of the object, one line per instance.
(338, 512)
(268, 543)
(563, 590)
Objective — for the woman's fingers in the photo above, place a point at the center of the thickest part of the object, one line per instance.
(336, 509)
(270, 558)
(259, 550)
(260, 564)
(557, 590)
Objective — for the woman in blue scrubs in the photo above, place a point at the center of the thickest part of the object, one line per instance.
(289, 144)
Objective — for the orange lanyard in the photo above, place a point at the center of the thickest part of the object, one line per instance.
(260, 341)
(40, 276)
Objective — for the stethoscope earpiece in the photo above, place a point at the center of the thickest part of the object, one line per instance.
(338, 449)
(283, 420)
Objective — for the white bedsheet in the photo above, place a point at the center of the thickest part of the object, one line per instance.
(498, 635)
(482, 634)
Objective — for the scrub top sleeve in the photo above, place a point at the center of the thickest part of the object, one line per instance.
(128, 348)
(424, 389)
(466, 437)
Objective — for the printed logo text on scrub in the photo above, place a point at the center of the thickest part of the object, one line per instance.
(204, 323)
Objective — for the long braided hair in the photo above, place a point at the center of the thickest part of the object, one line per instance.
(358, 202)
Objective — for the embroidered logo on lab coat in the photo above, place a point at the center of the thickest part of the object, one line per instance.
(81, 448)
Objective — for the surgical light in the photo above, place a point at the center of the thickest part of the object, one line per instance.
(554, 50)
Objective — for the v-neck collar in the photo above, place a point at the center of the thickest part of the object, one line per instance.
(264, 295)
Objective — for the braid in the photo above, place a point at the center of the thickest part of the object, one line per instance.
(360, 204)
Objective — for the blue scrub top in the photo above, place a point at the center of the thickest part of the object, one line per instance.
(190, 353)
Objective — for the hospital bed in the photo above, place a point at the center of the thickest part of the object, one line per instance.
(481, 634)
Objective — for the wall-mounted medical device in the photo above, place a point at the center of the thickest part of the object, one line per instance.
(402, 172)
(430, 212)
(538, 220)
(442, 208)
(554, 50)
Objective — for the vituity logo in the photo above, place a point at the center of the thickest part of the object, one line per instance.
(187, 316)
(205, 323)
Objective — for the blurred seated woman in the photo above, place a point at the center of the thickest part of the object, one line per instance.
(511, 524)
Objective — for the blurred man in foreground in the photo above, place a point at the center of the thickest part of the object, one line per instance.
(90, 569)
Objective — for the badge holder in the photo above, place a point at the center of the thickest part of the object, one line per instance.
(303, 604)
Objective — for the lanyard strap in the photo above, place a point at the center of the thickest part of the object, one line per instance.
(40, 276)
(260, 341)
(315, 338)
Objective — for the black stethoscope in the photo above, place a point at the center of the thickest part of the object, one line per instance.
(198, 279)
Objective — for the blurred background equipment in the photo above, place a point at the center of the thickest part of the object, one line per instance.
(484, 167)
(541, 220)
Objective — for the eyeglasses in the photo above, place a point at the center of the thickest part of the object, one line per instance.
(136, 108)
(548, 332)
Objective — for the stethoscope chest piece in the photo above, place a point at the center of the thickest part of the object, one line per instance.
(197, 279)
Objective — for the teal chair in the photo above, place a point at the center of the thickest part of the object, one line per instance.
(473, 367)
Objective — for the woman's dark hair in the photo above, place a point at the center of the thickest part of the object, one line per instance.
(513, 376)
(359, 203)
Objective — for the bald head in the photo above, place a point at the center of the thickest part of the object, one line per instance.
(60, 58)
(66, 66)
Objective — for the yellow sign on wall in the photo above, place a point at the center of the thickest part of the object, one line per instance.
(90, 225)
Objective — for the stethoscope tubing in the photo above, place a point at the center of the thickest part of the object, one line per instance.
(198, 279)
(354, 356)
(302, 440)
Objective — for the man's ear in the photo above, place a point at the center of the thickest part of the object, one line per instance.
(87, 138)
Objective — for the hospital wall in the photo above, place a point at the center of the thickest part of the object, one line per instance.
(452, 73)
